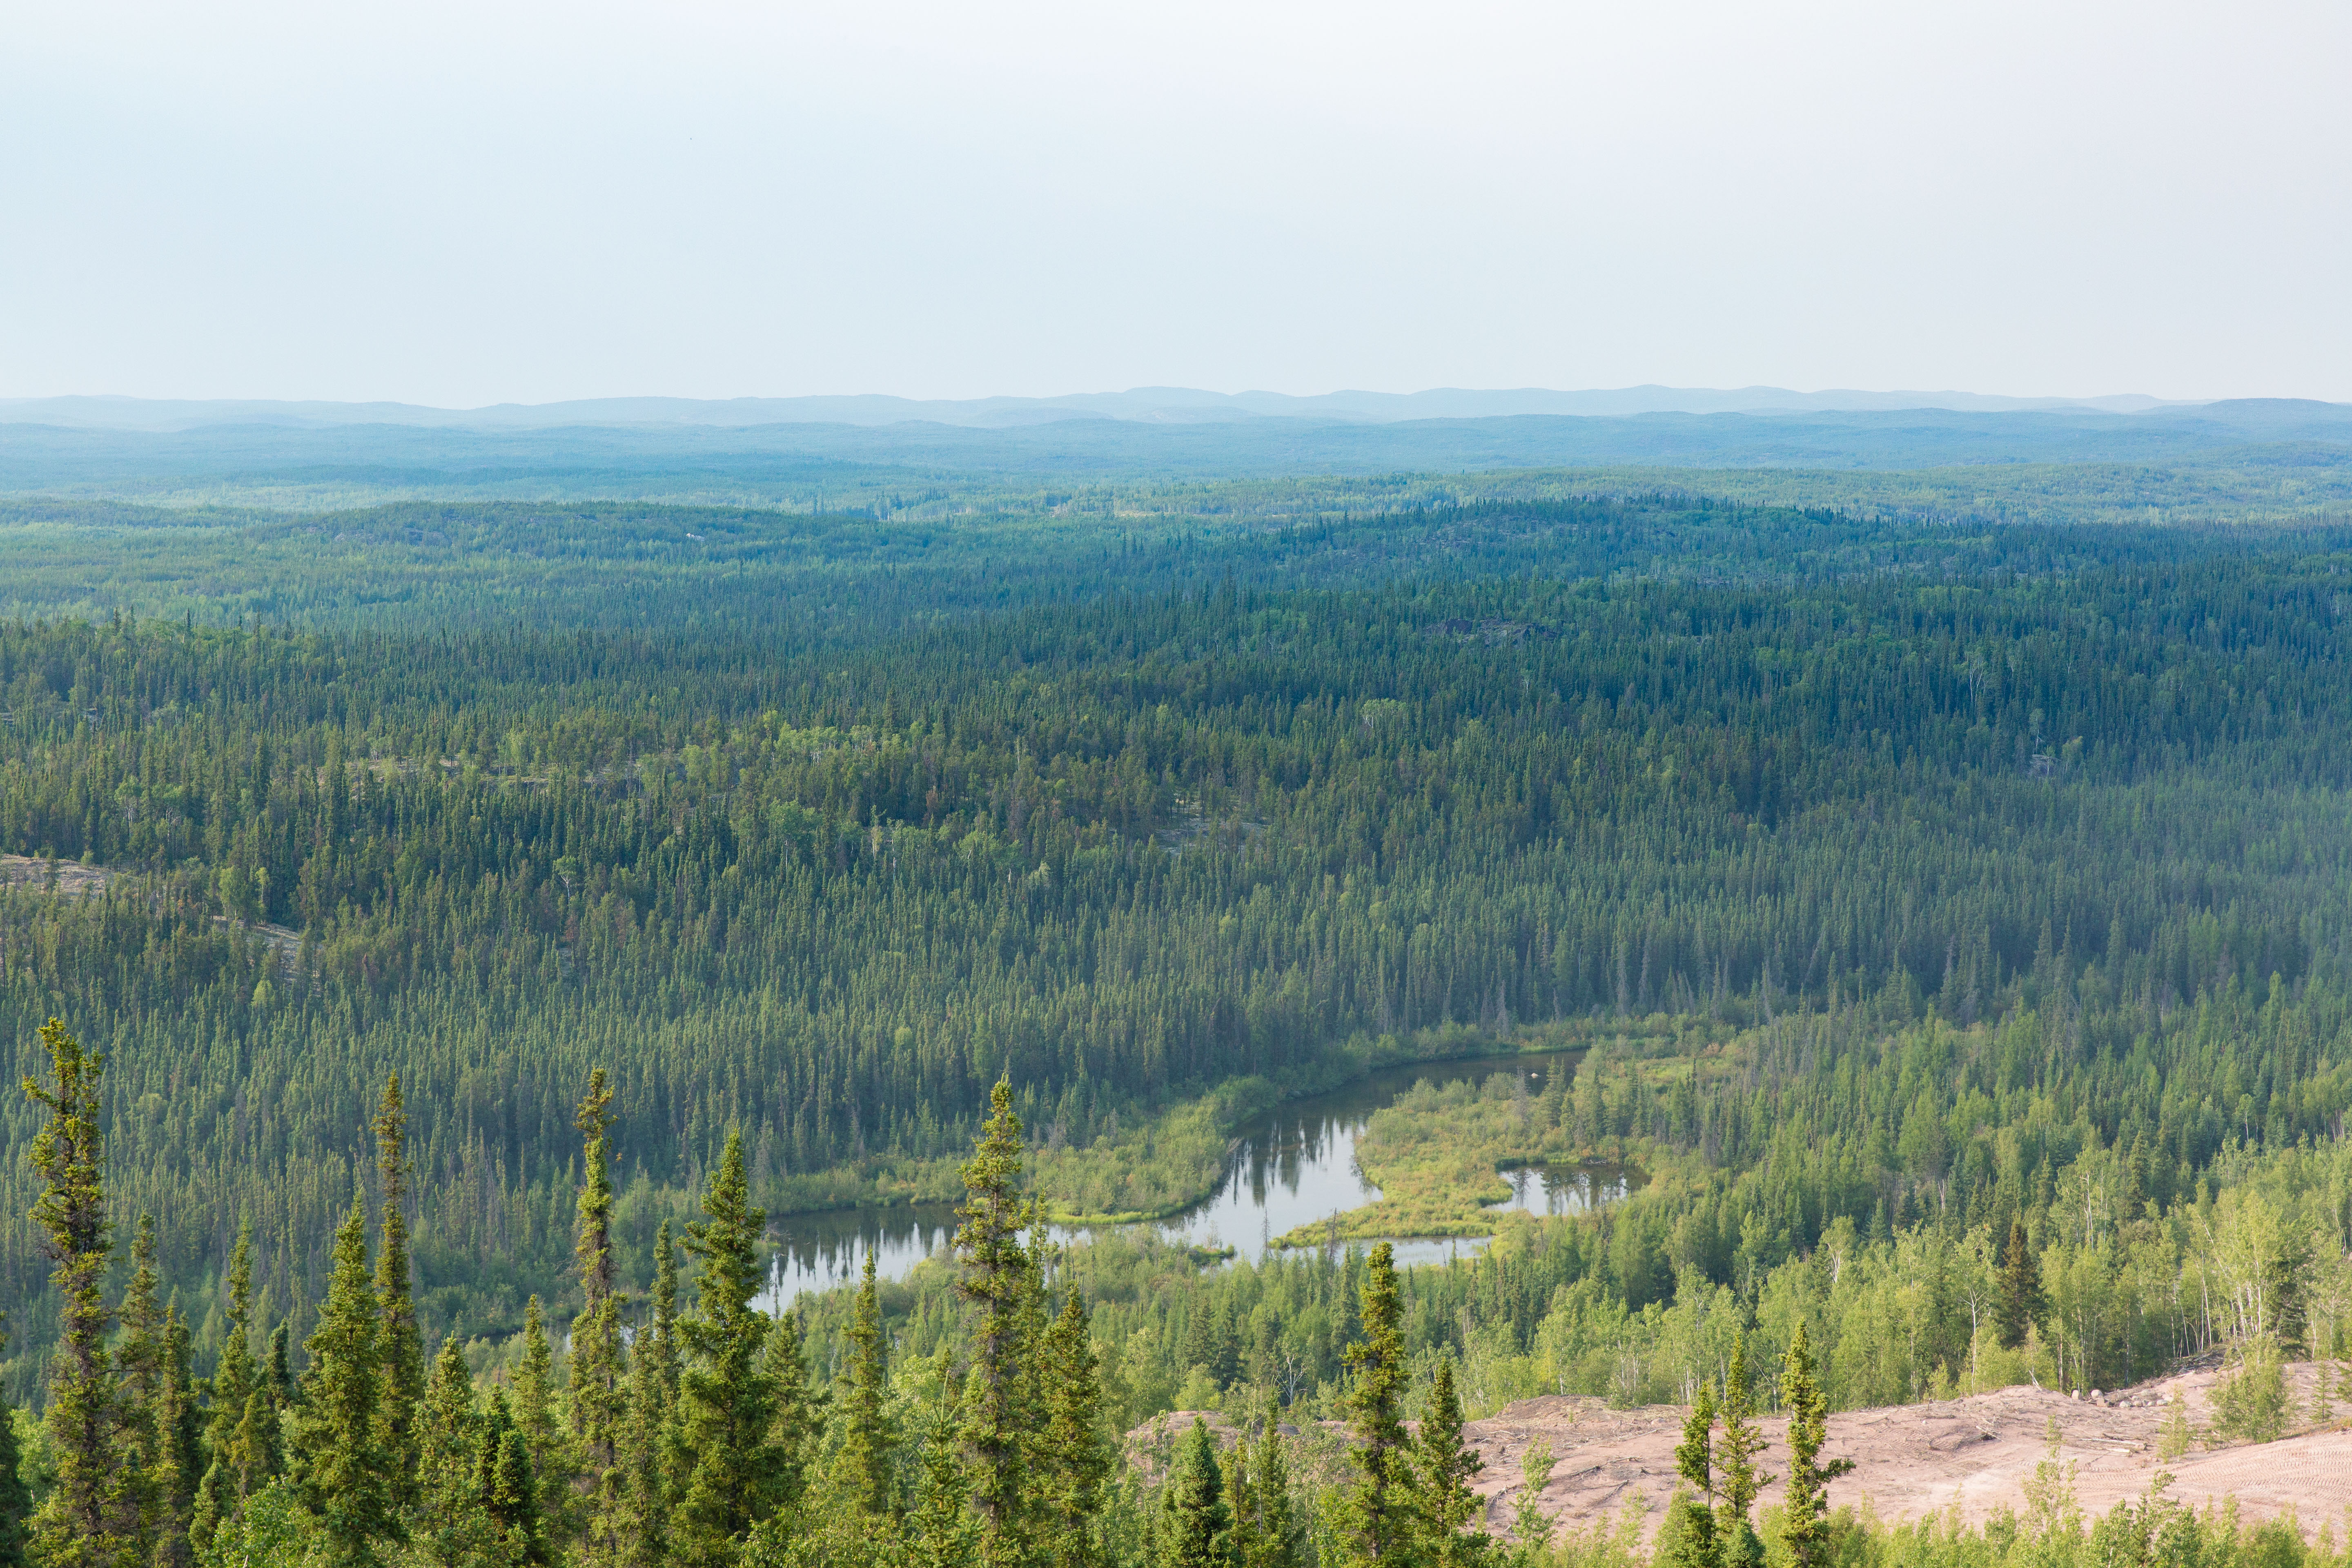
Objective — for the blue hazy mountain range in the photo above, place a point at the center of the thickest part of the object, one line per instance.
(619, 447)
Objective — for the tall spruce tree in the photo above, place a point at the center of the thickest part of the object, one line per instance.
(1382, 1514)
(1736, 1545)
(939, 1531)
(16, 1496)
(1074, 1459)
(449, 1526)
(1446, 1465)
(1197, 1528)
(999, 1282)
(867, 1458)
(1804, 1515)
(2021, 1299)
(1687, 1540)
(139, 1362)
(401, 1354)
(655, 1452)
(509, 1491)
(595, 1373)
(727, 1399)
(91, 1517)
(1277, 1538)
(237, 1378)
(338, 1428)
(180, 1434)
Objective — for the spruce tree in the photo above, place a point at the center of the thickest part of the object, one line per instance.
(1445, 1469)
(1197, 1528)
(401, 1354)
(236, 1379)
(139, 1362)
(998, 1281)
(2022, 1300)
(868, 1454)
(448, 1528)
(180, 1430)
(665, 1348)
(507, 1490)
(1531, 1527)
(1277, 1538)
(534, 1383)
(654, 1454)
(728, 1395)
(16, 1496)
(940, 1528)
(1382, 1515)
(1687, 1540)
(338, 1425)
(596, 1371)
(1804, 1524)
(1736, 1545)
(1073, 1459)
(91, 1517)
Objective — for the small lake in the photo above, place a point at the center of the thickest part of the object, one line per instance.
(1291, 1166)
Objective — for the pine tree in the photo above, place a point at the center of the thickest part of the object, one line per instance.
(338, 1429)
(2022, 1300)
(1197, 1530)
(91, 1517)
(1072, 1460)
(1804, 1525)
(1383, 1516)
(728, 1400)
(868, 1445)
(1446, 1466)
(1736, 1545)
(997, 1280)
(596, 1371)
(236, 1379)
(401, 1354)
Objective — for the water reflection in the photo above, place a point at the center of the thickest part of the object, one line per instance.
(1291, 1167)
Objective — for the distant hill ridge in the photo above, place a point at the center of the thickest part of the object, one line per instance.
(1140, 405)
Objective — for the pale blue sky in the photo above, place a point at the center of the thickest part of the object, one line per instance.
(461, 203)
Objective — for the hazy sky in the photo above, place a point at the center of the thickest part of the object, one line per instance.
(462, 204)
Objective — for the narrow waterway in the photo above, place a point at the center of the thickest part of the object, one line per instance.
(1295, 1165)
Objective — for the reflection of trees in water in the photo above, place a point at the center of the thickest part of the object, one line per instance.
(1555, 1190)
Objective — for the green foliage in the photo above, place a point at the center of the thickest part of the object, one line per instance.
(1383, 1518)
(1197, 1528)
(337, 1430)
(91, 1516)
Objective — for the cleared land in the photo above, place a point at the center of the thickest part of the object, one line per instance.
(1974, 1454)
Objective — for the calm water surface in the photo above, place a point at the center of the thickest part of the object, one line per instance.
(1294, 1165)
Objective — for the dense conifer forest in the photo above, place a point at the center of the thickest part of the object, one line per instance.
(438, 939)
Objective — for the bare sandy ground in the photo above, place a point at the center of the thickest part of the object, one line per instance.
(1914, 1459)
(1910, 1460)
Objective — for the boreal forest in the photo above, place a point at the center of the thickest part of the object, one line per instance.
(448, 935)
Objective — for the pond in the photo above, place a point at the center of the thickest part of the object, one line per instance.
(1289, 1167)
